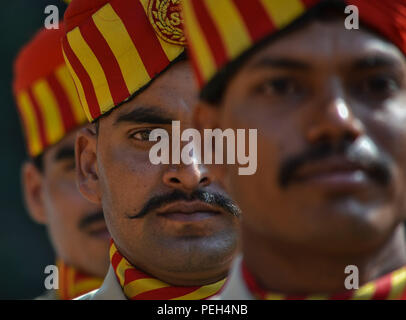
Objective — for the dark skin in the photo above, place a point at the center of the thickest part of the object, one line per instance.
(76, 227)
(178, 247)
(342, 95)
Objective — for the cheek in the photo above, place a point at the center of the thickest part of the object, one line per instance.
(278, 137)
(387, 128)
(127, 178)
(65, 204)
(257, 193)
(246, 189)
(63, 189)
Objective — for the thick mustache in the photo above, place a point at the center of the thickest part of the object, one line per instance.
(90, 219)
(374, 163)
(213, 198)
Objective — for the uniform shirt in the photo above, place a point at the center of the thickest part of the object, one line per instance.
(235, 287)
(109, 290)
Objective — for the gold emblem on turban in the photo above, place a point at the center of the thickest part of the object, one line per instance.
(165, 17)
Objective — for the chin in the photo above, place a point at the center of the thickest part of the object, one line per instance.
(198, 263)
(197, 253)
(350, 231)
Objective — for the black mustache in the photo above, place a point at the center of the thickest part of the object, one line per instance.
(213, 198)
(90, 219)
(375, 164)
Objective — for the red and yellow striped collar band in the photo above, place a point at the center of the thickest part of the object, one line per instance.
(114, 48)
(73, 284)
(219, 32)
(139, 286)
(389, 287)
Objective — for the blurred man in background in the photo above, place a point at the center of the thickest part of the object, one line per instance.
(51, 114)
(329, 105)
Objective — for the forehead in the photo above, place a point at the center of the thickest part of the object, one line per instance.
(174, 93)
(328, 43)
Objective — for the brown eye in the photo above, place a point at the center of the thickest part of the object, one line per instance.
(280, 86)
(380, 85)
(70, 165)
(142, 135)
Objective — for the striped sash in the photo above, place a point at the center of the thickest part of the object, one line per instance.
(73, 283)
(139, 286)
(389, 287)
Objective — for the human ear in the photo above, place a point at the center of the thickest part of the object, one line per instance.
(32, 183)
(86, 164)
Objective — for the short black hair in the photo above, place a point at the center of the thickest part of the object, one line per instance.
(97, 125)
(38, 162)
(214, 90)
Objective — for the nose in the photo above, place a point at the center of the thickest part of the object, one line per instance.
(187, 178)
(335, 122)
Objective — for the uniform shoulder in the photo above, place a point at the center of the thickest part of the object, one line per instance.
(49, 295)
(88, 296)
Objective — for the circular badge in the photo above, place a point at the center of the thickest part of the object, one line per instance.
(165, 17)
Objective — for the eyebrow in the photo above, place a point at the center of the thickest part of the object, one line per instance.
(66, 152)
(375, 61)
(145, 114)
(281, 63)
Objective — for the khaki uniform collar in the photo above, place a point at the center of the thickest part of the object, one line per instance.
(48, 295)
(110, 289)
(235, 288)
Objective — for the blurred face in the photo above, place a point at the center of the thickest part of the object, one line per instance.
(330, 109)
(76, 226)
(172, 221)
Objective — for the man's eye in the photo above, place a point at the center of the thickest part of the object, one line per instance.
(380, 85)
(280, 86)
(142, 135)
(69, 165)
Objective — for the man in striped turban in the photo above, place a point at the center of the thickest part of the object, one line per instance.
(323, 215)
(173, 226)
(51, 114)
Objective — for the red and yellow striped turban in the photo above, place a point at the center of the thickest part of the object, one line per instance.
(46, 97)
(221, 31)
(114, 48)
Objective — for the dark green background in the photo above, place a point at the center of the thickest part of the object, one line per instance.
(24, 246)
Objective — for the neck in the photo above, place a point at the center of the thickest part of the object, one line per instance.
(182, 276)
(138, 285)
(287, 269)
(188, 278)
(73, 283)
